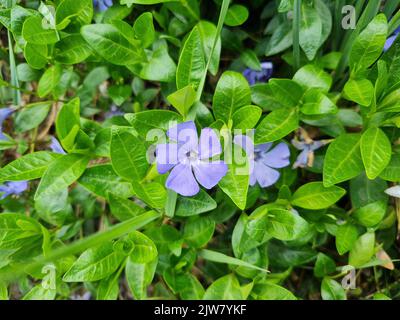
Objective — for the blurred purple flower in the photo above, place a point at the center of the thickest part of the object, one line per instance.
(189, 158)
(13, 188)
(102, 5)
(255, 76)
(264, 160)
(114, 111)
(4, 114)
(306, 157)
(56, 147)
(391, 40)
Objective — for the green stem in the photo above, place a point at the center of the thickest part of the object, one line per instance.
(394, 23)
(390, 7)
(13, 69)
(296, 33)
(369, 13)
(83, 244)
(221, 20)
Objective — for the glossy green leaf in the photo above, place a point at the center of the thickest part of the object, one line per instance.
(190, 206)
(332, 290)
(232, 93)
(376, 151)
(29, 167)
(276, 125)
(315, 196)
(362, 250)
(360, 91)
(343, 159)
(61, 173)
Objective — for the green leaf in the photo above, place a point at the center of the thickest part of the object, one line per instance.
(70, 10)
(346, 236)
(271, 291)
(36, 55)
(144, 29)
(286, 92)
(332, 290)
(184, 284)
(192, 63)
(128, 155)
(190, 206)
(310, 31)
(94, 264)
(281, 224)
(369, 44)
(61, 173)
(343, 159)
(371, 214)
(144, 250)
(123, 209)
(324, 265)
(108, 288)
(139, 276)
(276, 125)
(236, 182)
(158, 67)
(376, 151)
(312, 76)
(225, 288)
(34, 33)
(32, 116)
(236, 15)
(232, 93)
(102, 180)
(49, 81)
(363, 250)
(40, 292)
(392, 171)
(29, 167)
(198, 231)
(145, 121)
(316, 103)
(360, 91)
(72, 49)
(183, 99)
(114, 42)
(315, 196)
(68, 123)
(246, 117)
(154, 194)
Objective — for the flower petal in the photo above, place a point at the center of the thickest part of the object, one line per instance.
(186, 136)
(56, 147)
(262, 147)
(245, 143)
(208, 174)
(302, 159)
(166, 157)
(277, 157)
(182, 181)
(265, 175)
(210, 145)
(393, 191)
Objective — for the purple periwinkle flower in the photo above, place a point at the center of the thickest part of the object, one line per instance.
(306, 157)
(114, 111)
(391, 40)
(264, 160)
(4, 114)
(56, 147)
(102, 5)
(13, 188)
(257, 76)
(190, 159)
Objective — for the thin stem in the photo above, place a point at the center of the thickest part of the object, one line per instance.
(221, 20)
(13, 69)
(83, 244)
(296, 34)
